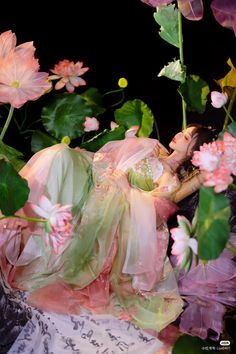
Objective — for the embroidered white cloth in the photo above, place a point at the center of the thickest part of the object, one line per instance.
(84, 334)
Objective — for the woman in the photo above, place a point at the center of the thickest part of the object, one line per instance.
(116, 261)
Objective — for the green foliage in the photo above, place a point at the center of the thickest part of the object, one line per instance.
(99, 140)
(212, 227)
(135, 112)
(93, 97)
(65, 114)
(167, 18)
(14, 189)
(194, 92)
(12, 155)
(190, 345)
(41, 140)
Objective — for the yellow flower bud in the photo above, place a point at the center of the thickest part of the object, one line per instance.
(122, 83)
(65, 140)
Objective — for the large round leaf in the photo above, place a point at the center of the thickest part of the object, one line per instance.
(212, 228)
(135, 112)
(65, 114)
(94, 99)
(40, 141)
(194, 91)
(14, 189)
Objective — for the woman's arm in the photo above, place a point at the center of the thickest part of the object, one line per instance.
(188, 186)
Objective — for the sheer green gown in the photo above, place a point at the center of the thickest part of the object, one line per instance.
(115, 262)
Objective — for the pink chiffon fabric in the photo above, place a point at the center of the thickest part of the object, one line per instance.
(128, 268)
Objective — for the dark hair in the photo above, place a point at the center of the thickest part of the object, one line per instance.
(202, 134)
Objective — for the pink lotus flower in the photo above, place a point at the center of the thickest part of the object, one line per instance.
(113, 125)
(90, 124)
(57, 226)
(183, 242)
(69, 74)
(218, 99)
(131, 132)
(208, 158)
(217, 161)
(20, 81)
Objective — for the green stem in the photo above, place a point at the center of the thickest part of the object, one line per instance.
(181, 57)
(4, 129)
(119, 102)
(113, 91)
(23, 217)
(229, 109)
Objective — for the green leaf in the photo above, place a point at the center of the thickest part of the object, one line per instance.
(41, 140)
(64, 115)
(173, 71)
(231, 128)
(95, 101)
(12, 155)
(190, 345)
(212, 229)
(167, 18)
(14, 189)
(194, 92)
(135, 112)
(99, 140)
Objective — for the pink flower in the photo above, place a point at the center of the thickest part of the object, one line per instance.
(217, 160)
(90, 124)
(58, 226)
(113, 125)
(131, 132)
(183, 242)
(218, 99)
(208, 157)
(69, 74)
(20, 80)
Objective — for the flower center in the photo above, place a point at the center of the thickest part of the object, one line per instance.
(15, 84)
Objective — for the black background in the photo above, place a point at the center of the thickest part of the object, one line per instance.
(119, 38)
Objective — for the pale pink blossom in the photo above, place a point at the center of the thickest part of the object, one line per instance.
(20, 80)
(57, 226)
(69, 74)
(91, 124)
(208, 157)
(217, 161)
(8, 45)
(183, 241)
(218, 99)
(230, 151)
(131, 132)
(113, 125)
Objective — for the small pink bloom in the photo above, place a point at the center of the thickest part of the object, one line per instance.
(113, 125)
(90, 124)
(218, 99)
(58, 226)
(182, 239)
(208, 157)
(69, 74)
(131, 132)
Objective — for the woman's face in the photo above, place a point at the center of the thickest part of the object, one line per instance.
(183, 141)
